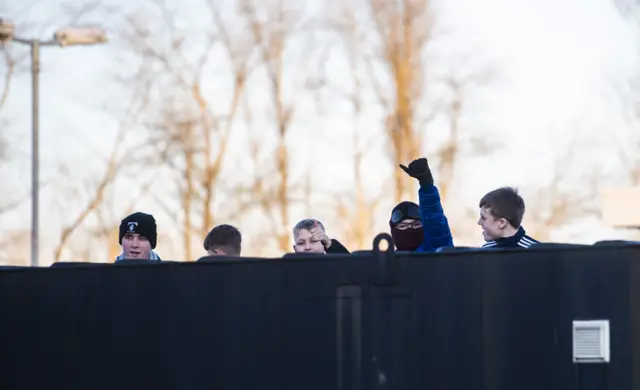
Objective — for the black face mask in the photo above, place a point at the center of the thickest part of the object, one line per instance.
(407, 240)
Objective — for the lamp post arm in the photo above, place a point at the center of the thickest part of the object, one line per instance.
(30, 42)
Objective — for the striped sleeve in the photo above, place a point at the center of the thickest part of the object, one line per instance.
(489, 244)
(526, 242)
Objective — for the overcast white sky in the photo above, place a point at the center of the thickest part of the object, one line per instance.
(561, 65)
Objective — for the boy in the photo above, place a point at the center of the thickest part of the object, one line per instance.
(223, 240)
(424, 227)
(309, 236)
(138, 236)
(501, 213)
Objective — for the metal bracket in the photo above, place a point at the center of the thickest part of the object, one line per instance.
(386, 259)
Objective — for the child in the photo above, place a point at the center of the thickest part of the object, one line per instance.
(501, 213)
(223, 240)
(138, 236)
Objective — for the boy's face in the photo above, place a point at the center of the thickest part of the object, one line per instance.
(305, 242)
(492, 227)
(135, 246)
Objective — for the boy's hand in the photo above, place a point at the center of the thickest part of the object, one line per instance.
(419, 169)
(318, 234)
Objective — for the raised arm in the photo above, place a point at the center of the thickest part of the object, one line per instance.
(435, 225)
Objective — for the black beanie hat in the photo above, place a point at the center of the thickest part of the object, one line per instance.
(142, 224)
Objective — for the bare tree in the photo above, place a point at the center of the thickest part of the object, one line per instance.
(459, 141)
(238, 54)
(271, 37)
(397, 63)
(568, 196)
(403, 28)
(12, 246)
(9, 63)
(114, 164)
(628, 146)
(107, 230)
(193, 133)
(630, 161)
(97, 196)
(355, 210)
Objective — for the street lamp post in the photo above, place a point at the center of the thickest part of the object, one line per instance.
(63, 37)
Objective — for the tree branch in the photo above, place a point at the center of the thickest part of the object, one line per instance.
(10, 64)
(113, 166)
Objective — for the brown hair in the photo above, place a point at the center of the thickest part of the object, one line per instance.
(505, 203)
(226, 238)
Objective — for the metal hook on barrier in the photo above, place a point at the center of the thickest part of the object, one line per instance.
(379, 238)
(385, 257)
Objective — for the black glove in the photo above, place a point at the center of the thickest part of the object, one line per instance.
(419, 169)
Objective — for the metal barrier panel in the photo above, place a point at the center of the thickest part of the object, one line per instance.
(457, 321)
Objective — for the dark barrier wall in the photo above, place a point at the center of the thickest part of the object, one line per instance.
(458, 321)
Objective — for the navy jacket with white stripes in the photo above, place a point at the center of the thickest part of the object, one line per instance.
(518, 240)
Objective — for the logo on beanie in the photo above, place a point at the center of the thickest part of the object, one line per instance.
(132, 226)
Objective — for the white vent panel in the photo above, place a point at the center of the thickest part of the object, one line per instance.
(591, 341)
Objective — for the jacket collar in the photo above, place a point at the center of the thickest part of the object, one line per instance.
(513, 240)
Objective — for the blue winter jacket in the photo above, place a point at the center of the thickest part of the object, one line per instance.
(437, 233)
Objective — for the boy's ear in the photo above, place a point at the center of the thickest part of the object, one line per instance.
(215, 252)
(503, 223)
